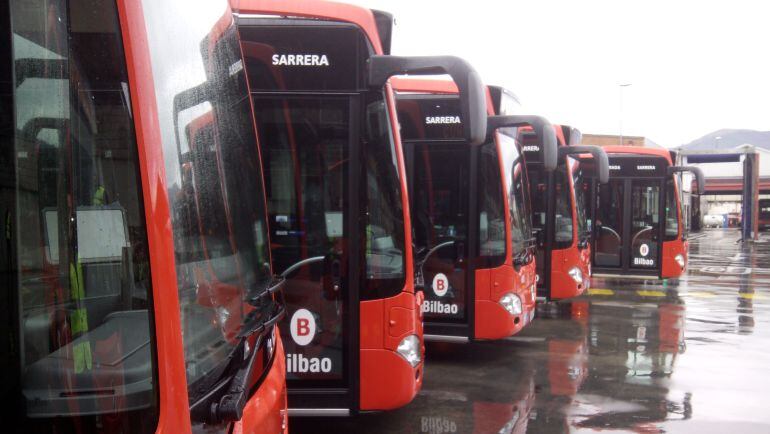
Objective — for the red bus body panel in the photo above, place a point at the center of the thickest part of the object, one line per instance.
(562, 260)
(172, 381)
(669, 267)
(265, 411)
(380, 388)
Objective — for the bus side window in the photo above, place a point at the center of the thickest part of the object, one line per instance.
(76, 226)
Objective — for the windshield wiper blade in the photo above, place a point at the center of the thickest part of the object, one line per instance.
(230, 406)
(274, 286)
(225, 401)
(262, 318)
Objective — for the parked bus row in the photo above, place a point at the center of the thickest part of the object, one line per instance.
(219, 215)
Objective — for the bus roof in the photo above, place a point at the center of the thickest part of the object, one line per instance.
(437, 86)
(639, 150)
(320, 9)
(416, 85)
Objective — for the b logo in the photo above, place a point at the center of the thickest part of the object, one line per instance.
(440, 284)
(644, 250)
(302, 327)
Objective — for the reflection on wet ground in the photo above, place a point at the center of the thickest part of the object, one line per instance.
(691, 355)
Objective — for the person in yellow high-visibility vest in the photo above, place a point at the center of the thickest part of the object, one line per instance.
(100, 196)
(79, 319)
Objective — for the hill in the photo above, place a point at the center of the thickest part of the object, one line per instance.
(726, 139)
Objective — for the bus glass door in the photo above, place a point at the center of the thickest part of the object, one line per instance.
(440, 174)
(645, 223)
(306, 144)
(629, 214)
(609, 214)
(539, 192)
(310, 120)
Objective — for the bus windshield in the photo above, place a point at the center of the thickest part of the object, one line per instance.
(214, 181)
(491, 209)
(77, 345)
(539, 192)
(672, 210)
(384, 254)
(581, 187)
(517, 182)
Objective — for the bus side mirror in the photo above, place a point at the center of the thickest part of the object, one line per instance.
(575, 137)
(700, 179)
(539, 124)
(473, 95)
(600, 157)
(572, 135)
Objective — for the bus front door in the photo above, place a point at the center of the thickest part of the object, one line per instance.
(306, 142)
(627, 235)
(441, 177)
(609, 234)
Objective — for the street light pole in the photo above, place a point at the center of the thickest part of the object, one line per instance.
(620, 87)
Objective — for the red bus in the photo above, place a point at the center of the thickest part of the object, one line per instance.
(337, 204)
(559, 213)
(470, 214)
(140, 292)
(637, 215)
(764, 213)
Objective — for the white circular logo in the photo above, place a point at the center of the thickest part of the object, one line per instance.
(302, 327)
(440, 284)
(644, 250)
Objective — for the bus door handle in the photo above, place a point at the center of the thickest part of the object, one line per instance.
(459, 252)
(336, 275)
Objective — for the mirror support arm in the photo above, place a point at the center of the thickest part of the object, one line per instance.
(473, 94)
(602, 161)
(542, 127)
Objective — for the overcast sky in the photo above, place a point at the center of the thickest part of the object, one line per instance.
(694, 66)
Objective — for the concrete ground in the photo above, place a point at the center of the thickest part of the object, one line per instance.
(691, 355)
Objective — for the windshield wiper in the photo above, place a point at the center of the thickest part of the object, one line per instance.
(275, 286)
(224, 402)
(521, 258)
(231, 404)
(525, 256)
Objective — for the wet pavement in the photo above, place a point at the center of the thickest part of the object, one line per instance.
(691, 355)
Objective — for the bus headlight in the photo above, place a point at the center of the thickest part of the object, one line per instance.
(409, 349)
(576, 275)
(679, 260)
(511, 303)
(270, 343)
